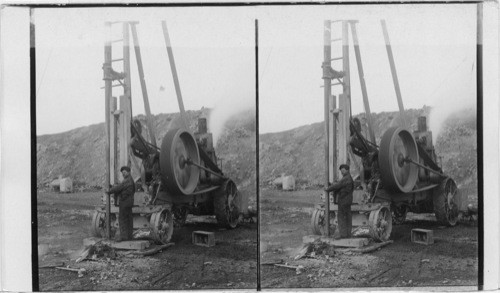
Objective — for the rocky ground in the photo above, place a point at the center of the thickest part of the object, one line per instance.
(286, 216)
(64, 221)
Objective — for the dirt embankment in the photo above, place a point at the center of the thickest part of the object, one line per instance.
(80, 155)
(299, 152)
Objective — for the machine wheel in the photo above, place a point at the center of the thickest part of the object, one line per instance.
(226, 204)
(380, 224)
(318, 222)
(180, 215)
(179, 146)
(399, 214)
(162, 226)
(98, 228)
(396, 145)
(445, 202)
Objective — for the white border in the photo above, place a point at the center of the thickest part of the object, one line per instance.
(15, 158)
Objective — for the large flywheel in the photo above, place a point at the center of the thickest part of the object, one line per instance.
(177, 149)
(396, 172)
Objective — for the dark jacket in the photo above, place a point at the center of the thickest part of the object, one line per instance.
(344, 187)
(125, 190)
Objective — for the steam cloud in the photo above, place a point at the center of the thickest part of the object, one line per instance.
(224, 109)
(458, 93)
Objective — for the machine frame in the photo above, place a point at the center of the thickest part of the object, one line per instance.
(397, 176)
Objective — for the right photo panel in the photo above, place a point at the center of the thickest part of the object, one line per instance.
(368, 146)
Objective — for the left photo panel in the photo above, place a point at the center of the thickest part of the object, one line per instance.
(145, 148)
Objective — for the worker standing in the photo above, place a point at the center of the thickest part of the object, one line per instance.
(344, 187)
(124, 191)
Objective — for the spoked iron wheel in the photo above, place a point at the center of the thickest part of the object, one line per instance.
(445, 198)
(177, 149)
(162, 226)
(399, 214)
(226, 204)
(396, 172)
(318, 222)
(380, 224)
(98, 228)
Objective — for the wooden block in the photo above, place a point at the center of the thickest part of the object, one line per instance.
(131, 245)
(203, 238)
(310, 238)
(422, 236)
(348, 242)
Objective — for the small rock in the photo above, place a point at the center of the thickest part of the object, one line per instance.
(299, 270)
(425, 260)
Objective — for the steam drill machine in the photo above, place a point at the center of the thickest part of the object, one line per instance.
(178, 178)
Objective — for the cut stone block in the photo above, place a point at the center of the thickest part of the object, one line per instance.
(203, 238)
(422, 236)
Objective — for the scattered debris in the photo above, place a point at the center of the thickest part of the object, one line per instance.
(97, 250)
(379, 274)
(305, 250)
(80, 271)
(51, 266)
(161, 278)
(153, 250)
(372, 247)
(298, 269)
(280, 261)
(142, 234)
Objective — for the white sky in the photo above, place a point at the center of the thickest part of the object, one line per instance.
(433, 46)
(213, 51)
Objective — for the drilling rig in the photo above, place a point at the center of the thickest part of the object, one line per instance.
(180, 176)
(398, 175)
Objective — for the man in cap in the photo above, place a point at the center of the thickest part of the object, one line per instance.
(124, 191)
(344, 187)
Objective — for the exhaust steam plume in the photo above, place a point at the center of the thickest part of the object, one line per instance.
(224, 109)
(454, 95)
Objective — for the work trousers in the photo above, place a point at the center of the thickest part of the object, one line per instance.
(344, 220)
(126, 221)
